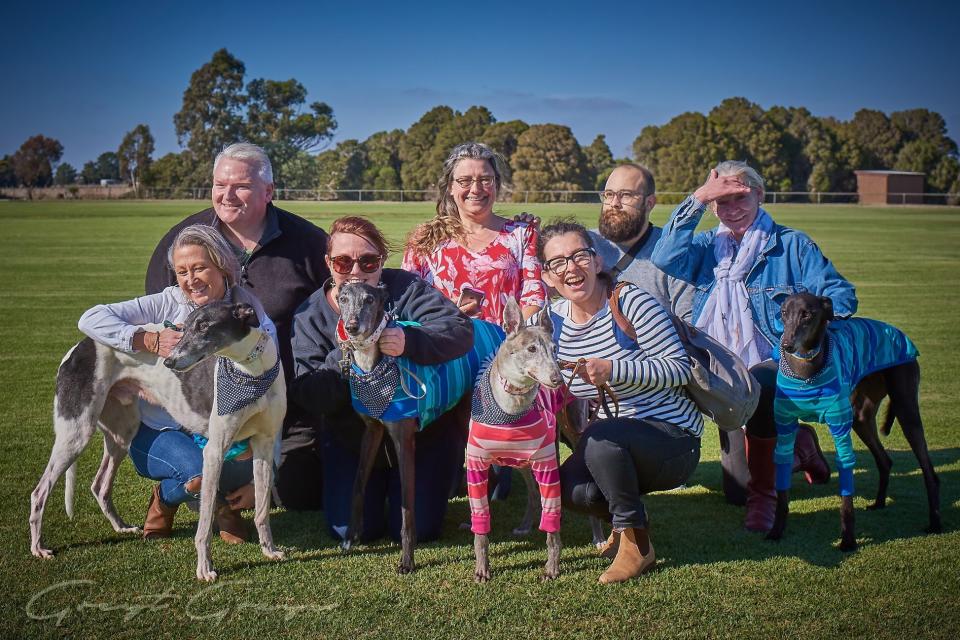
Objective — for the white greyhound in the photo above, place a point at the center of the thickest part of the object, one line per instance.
(239, 395)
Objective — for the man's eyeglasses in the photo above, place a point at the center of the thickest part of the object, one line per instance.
(484, 181)
(581, 258)
(626, 197)
(369, 262)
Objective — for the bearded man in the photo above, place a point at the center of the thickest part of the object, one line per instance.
(625, 238)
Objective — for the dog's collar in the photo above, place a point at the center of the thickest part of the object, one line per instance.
(257, 350)
(788, 371)
(344, 338)
(512, 389)
(806, 357)
(348, 344)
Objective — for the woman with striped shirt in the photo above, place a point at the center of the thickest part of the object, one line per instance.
(654, 442)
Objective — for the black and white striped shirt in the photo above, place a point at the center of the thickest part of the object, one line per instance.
(648, 374)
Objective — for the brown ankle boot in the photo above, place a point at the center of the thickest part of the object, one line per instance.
(609, 548)
(233, 528)
(635, 556)
(159, 520)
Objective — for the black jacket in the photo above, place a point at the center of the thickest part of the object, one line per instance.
(285, 269)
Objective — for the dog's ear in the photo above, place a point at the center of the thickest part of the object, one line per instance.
(827, 305)
(545, 322)
(512, 318)
(247, 314)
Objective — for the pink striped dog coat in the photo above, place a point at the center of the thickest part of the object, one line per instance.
(526, 441)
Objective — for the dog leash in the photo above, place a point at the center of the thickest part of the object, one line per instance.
(604, 391)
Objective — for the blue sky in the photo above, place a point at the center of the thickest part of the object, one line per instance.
(86, 73)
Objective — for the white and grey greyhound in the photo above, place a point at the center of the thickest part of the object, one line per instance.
(221, 398)
(513, 423)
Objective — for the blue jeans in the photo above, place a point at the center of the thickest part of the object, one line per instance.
(438, 459)
(173, 458)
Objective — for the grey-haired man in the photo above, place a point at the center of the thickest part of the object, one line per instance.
(282, 263)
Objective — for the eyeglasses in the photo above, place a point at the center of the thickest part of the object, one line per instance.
(626, 197)
(369, 262)
(581, 258)
(484, 181)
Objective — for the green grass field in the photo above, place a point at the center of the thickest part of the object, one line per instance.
(714, 579)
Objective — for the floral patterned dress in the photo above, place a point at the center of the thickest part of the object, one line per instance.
(505, 268)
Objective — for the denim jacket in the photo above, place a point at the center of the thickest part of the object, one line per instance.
(790, 263)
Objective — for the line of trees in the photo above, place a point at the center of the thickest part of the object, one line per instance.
(793, 149)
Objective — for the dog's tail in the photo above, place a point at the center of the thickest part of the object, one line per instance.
(70, 484)
(888, 418)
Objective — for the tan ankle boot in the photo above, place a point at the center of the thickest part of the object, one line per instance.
(609, 548)
(634, 557)
(233, 528)
(159, 520)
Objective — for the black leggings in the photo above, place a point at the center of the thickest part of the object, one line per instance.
(618, 460)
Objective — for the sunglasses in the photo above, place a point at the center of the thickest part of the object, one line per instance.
(368, 262)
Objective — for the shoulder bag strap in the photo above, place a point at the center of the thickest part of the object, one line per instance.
(618, 316)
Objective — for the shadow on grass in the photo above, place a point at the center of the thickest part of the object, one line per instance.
(689, 527)
(693, 526)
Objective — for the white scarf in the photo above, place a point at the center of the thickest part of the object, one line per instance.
(726, 315)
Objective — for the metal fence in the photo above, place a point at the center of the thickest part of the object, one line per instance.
(420, 195)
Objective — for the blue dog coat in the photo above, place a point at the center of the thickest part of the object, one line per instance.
(444, 384)
(855, 348)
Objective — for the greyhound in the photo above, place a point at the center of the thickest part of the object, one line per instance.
(377, 383)
(506, 428)
(810, 355)
(363, 316)
(98, 386)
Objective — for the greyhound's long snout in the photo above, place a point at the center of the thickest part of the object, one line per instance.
(352, 326)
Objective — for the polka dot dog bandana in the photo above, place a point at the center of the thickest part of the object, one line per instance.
(376, 388)
(236, 389)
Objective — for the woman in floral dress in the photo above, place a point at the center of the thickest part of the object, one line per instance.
(473, 256)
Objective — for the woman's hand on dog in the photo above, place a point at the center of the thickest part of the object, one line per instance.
(596, 371)
(392, 341)
(159, 342)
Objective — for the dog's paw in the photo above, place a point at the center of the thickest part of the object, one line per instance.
(206, 573)
(550, 574)
(404, 568)
(522, 530)
(935, 527)
(847, 546)
(40, 552)
(481, 574)
(130, 529)
(272, 553)
(345, 544)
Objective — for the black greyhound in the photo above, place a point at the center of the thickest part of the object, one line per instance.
(805, 319)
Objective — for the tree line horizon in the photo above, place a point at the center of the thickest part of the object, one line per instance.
(793, 149)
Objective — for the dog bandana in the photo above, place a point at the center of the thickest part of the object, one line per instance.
(526, 440)
(484, 407)
(375, 389)
(855, 348)
(443, 385)
(236, 389)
